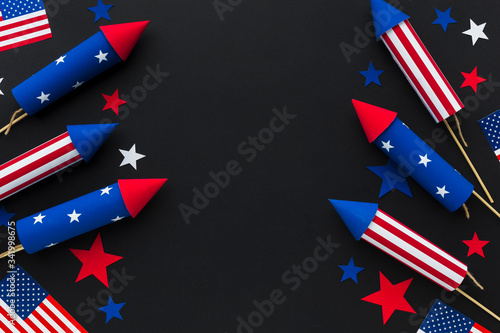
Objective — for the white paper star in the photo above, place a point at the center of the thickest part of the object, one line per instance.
(74, 216)
(77, 84)
(131, 157)
(117, 218)
(39, 218)
(43, 97)
(1, 79)
(106, 190)
(424, 160)
(60, 59)
(476, 32)
(387, 145)
(101, 56)
(442, 191)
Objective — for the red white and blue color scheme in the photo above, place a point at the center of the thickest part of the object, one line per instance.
(103, 50)
(112, 203)
(80, 142)
(444, 319)
(367, 222)
(490, 128)
(22, 22)
(414, 156)
(35, 310)
(393, 27)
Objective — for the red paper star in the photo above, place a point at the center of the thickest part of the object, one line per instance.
(95, 261)
(475, 245)
(113, 102)
(471, 79)
(391, 297)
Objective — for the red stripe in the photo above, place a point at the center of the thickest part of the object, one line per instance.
(6, 315)
(24, 32)
(480, 328)
(452, 91)
(66, 314)
(424, 70)
(32, 324)
(9, 25)
(55, 318)
(41, 320)
(25, 42)
(410, 75)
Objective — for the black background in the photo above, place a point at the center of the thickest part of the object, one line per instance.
(225, 78)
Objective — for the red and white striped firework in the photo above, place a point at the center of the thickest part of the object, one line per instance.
(80, 142)
(393, 27)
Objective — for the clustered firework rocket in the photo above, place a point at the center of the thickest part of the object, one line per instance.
(125, 198)
(79, 142)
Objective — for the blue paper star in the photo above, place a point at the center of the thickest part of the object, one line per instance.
(101, 10)
(443, 18)
(4, 216)
(350, 271)
(112, 310)
(371, 75)
(392, 178)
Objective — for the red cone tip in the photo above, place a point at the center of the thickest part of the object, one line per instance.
(123, 37)
(374, 120)
(136, 193)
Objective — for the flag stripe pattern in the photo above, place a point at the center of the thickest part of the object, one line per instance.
(442, 318)
(22, 22)
(422, 71)
(37, 164)
(402, 243)
(35, 310)
(490, 124)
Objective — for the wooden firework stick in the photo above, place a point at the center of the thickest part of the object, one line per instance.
(478, 304)
(460, 130)
(17, 248)
(13, 120)
(486, 203)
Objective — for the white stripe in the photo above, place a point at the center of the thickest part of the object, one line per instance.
(407, 262)
(26, 37)
(6, 321)
(19, 320)
(413, 251)
(422, 240)
(49, 320)
(475, 330)
(37, 323)
(497, 152)
(23, 17)
(417, 73)
(428, 63)
(59, 315)
(23, 27)
(52, 165)
(420, 331)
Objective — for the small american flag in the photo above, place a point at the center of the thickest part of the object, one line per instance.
(22, 22)
(444, 319)
(490, 126)
(35, 309)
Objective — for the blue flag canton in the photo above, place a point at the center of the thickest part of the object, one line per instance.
(490, 126)
(15, 8)
(29, 294)
(444, 319)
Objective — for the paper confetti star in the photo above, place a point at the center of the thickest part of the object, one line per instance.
(393, 178)
(475, 245)
(131, 157)
(444, 18)
(95, 261)
(472, 80)
(390, 297)
(371, 75)
(350, 271)
(101, 10)
(1, 79)
(476, 32)
(112, 309)
(113, 102)
(4, 216)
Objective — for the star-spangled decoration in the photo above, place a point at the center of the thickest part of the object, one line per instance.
(118, 218)
(39, 218)
(476, 32)
(95, 261)
(74, 216)
(472, 80)
(101, 56)
(387, 145)
(101, 10)
(77, 84)
(491, 128)
(390, 297)
(393, 178)
(113, 102)
(475, 245)
(350, 271)
(43, 97)
(371, 75)
(131, 157)
(443, 18)
(4, 216)
(424, 160)
(112, 309)
(442, 191)
(1, 79)
(106, 190)
(60, 59)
